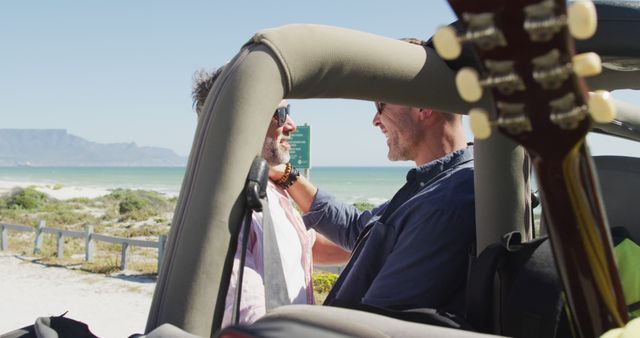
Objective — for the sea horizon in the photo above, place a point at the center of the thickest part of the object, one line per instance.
(350, 184)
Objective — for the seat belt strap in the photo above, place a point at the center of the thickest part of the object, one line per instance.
(275, 286)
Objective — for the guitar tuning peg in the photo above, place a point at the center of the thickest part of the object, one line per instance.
(479, 123)
(468, 84)
(446, 42)
(480, 30)
(582, 19)
(587, 64)
(601, 106)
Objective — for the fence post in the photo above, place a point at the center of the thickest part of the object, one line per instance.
(60, 244)
(88, 242)
(162, 242)
(4, 245)
(39, 234)
(125, 253)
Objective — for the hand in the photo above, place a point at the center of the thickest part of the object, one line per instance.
(276, 172)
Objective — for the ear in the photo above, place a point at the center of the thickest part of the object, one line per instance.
(425, 113)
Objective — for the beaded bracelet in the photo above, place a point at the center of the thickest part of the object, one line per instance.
(291, 179)
(285, 176)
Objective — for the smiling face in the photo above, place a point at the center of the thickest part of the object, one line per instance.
(400, 126)
(275, 149)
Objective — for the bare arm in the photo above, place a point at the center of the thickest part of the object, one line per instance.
(338, 222)
(302, 191)
(325, 252)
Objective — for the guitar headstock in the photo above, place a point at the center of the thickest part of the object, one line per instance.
(528, 62)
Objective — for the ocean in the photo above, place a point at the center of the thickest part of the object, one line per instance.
(349, 184)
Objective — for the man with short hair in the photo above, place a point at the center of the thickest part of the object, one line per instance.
(412, 251)
(297, 245)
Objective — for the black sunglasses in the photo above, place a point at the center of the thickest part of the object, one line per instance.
(380, 107)
(281, 114)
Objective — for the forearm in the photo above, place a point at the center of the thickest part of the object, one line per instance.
(301, 191)
(339, 222)
(326, 252)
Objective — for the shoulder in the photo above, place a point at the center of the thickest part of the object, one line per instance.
(458, 183)
(454, 192)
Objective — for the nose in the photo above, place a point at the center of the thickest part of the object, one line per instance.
(376, 119)
(289, 125)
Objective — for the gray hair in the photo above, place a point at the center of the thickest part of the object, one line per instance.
(415, 41)
(202, 83)
(449, 117)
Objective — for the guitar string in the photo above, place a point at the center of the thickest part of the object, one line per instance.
(586, 229)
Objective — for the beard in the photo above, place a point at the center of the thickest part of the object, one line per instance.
(273, 153)
(403, 147)
(398, 150)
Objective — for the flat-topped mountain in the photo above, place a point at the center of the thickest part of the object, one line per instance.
(56, 147)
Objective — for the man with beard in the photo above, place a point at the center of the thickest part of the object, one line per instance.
(298, 246)
(412, 251)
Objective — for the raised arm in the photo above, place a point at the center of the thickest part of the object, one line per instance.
(302, 191)
(339, 222)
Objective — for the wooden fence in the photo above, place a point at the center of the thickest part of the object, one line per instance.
(89, 238)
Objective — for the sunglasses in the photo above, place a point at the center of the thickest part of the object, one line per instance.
(380, 107)
(281, 114)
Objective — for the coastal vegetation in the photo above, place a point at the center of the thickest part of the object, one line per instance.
(362, 205)
(322, 283)
(136, 214)
(27, 198)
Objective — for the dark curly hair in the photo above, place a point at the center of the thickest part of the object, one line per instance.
(202, 83)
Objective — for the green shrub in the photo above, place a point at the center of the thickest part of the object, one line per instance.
(17, 216)
(362, 206)
(56, 206)
(141, 231)
(131, 203)
(109, 214)
(80, 200)
(67, 219)
(138, 204)
(26, 198)
(116, 194)
(323, 281)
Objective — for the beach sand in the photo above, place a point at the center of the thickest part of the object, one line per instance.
(58, 192)
(114, 306)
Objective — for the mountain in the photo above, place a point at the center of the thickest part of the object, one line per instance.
(56, 147)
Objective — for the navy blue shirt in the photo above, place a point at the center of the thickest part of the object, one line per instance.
(411, 251)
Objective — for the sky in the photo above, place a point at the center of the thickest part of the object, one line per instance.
(121, 70)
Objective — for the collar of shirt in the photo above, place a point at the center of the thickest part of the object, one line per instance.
(428, 171)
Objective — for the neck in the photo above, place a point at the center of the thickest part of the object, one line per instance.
(440, 142)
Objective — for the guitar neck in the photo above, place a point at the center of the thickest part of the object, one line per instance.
(529, 67)
(580, 240)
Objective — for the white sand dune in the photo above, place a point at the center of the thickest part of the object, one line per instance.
(57, 192)
(111, 306)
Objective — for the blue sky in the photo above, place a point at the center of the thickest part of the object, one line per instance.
(120, 71)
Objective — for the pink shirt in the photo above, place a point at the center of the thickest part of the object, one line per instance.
(295, 243)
